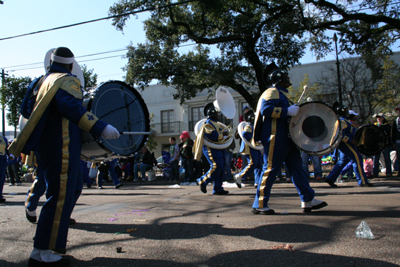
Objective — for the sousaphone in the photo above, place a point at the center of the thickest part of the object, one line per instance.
(241, 127)
(224, 102)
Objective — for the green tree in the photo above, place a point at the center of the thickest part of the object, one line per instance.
(249, 35)
(89, 76)
(246, 33)
(361, 89)
(12, 94)
(313, 92)
(390, 84)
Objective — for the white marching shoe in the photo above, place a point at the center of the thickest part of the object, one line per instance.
(314, 204)
(339, 179)
(238, 180)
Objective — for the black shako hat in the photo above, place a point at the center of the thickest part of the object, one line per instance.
(62, 55)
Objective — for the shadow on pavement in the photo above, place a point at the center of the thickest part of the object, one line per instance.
(267, 257)
(170, 231)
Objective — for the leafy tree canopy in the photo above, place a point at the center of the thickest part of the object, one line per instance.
(249, 35)
(89, 76)
(12, 94)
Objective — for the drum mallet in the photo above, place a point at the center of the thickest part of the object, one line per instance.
(304, 90)
(152, 133)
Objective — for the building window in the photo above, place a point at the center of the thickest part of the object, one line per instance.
(167, 121)
(196, 115)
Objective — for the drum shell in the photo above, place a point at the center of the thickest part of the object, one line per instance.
(329, 129)
(370, 140)
(121, 106)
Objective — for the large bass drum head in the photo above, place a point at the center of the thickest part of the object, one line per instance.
(316, 129)
(370, 140)
(120, 105)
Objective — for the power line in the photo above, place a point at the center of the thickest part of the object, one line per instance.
(95, 20)
(100, 53)
(89, 55)
(38, 67)
(81, 61)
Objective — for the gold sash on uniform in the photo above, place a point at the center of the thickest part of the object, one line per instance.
(46, 93)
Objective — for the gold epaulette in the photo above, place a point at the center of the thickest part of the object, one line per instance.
(270, 94)
(209, 128)
(72, 85)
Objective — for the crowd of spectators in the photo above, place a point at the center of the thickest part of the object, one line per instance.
(178, 164)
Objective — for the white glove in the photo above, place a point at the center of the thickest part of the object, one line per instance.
(293, 110)
(110, 132)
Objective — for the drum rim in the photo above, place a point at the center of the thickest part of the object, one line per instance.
(327, 150)
(357, 133)
(145, 111)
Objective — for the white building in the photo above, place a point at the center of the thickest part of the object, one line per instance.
(171, 119)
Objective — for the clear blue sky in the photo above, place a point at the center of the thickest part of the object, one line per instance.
(23, 16)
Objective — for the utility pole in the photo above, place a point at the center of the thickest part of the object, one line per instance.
(338, 70)
(3, 81)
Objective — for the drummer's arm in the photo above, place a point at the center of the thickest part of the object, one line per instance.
(69, 103)
(348, 136)
(25, 110)
(271, 109)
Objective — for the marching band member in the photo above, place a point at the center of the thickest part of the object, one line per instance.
(215, 157)
(347, 151)
(53, 131)
(3, 164)
(271, 128)
(351, 166)
(253, 156)
(383, 124)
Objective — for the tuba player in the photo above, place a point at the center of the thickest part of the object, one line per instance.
(215, 157)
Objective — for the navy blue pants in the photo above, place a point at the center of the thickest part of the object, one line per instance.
(347, 153)
(254, 166)
(36, 191)
(275, 153)
(216, 159)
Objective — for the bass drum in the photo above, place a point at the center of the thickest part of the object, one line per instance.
(211, 144)
(370, 140)
(316, 129)
(120, 105)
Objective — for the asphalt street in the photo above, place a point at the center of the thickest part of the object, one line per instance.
(154, 224)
